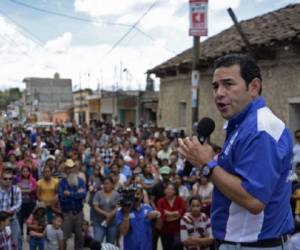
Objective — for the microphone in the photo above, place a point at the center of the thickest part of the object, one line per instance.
(204, 129)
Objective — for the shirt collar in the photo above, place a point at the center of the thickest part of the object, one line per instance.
(235, 121)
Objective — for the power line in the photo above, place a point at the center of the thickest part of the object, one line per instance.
(130, 29)
(68, 16)
(139, 31)
(154, 40)
(26, 32)
(13, 43)
(90, 21)
(131, 38)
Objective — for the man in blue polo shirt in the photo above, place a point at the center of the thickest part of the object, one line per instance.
(134, 223)
(250, 207)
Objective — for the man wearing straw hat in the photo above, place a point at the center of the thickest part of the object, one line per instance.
(71, 193)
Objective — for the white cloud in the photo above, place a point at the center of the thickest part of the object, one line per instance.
(217, 5)
(20, 57)
(161, 18)
(75, 62)
(60, 44)
(104, 7)
(164, 17)
(5, 27)
(161, 14)
(78, 62)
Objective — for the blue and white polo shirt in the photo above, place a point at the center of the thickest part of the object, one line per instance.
(139, 236)
(258, 149)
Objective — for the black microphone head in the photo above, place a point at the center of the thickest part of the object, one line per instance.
(205, 127)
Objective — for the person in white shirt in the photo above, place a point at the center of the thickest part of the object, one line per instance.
(165, 152)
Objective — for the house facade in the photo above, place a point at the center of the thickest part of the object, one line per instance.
(47, 94)
(81, 106)
(275, 43)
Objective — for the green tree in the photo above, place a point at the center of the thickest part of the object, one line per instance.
(8, 96)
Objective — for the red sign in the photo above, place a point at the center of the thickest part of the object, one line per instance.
(198, 17)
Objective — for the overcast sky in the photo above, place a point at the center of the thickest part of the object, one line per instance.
(34, 42)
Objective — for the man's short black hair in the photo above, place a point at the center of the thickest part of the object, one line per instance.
(58, 215)
(248, 66)
(195, 198)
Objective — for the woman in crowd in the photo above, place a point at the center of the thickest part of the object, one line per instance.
(95, 181)
(105, 204)
(27, 184)
(36, 224)
(94, 185)
(147, 178)
(182, 190)
(47, 191)
(152, 156)
(172, 207)
(125, 148)
(148, 160)
(203, 188)
(121, 178)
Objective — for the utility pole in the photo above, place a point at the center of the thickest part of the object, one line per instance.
(198, 28)
(195, 81)
(239, 30)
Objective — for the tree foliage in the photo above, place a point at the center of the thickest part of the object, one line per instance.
(8, 96)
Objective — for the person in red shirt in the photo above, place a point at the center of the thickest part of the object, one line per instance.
(172, 207)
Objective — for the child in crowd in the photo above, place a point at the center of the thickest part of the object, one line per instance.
(195, 231)
(97, 245)
(54, 234)
(5, 234)
(87, 231)
(36, 224)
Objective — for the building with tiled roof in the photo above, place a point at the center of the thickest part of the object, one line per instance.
(274, 41)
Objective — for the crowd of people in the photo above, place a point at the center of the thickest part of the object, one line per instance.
(147, 183)
(48, 176)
